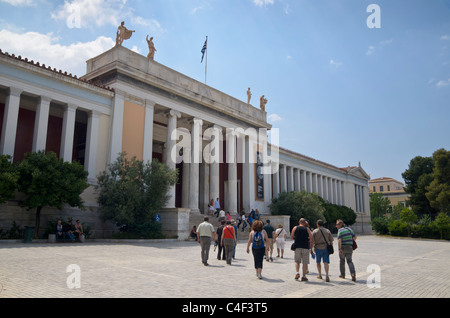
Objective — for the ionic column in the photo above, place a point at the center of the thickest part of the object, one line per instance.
(283, 181)
(290, 178)
(171, 151)
(10, 118)
(148, 131)
(68, 131)
(41, 124)
(303, 180)
(232, 172)
(90, 163)
(276, 182)
(214, 164)
(115, 147)
(194, 171)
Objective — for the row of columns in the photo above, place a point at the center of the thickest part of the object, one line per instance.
(289, 178)
(191, 170)
(11, 117)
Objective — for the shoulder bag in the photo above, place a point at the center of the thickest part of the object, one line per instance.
(329, 246)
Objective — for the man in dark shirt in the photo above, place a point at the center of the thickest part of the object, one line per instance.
(269, 230)
(68, 230)
(303, 241)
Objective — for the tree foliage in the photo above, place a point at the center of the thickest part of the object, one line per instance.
(131, 193)
(378, 205)
(438, 191)
(8, 178)
(50, 182)
(298, 205)
(417, 178)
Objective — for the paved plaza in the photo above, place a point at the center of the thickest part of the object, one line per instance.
(394, 267)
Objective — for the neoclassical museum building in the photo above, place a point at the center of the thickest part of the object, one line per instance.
(129, 103)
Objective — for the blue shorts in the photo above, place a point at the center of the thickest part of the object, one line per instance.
(322, 254)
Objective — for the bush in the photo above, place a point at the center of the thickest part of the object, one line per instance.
(380, 225)
(398, 228)
(298, 205)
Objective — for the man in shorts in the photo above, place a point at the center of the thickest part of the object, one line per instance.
(322, 237)
(303, 240)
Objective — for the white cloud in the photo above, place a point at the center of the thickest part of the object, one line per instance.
(445, 37)
(45, 49)
(443, 83)
(261, 3)
(337, 64)
(273, 118)
(20, 3)
(370, 50)
(381, 44)
(96, 13)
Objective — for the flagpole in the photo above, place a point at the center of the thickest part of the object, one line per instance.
(206, 61)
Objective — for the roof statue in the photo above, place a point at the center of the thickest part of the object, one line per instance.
(151, 48)
(123, 33)
(263, 102)
(249, 95)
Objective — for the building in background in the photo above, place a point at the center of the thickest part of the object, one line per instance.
(391, 189)
(129, 103)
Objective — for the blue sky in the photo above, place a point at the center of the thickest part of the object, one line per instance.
(339, 91)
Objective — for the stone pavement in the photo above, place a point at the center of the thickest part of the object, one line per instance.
(410, 268)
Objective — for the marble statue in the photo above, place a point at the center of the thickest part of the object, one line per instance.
(123, 33)
(263, 102)
(249, 95)
(151, 48)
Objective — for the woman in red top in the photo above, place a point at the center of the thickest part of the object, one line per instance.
(228, 241)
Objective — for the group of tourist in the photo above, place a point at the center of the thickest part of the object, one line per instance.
(69, 231)
(317, 243)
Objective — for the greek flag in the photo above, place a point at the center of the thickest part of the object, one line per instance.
(204, 49)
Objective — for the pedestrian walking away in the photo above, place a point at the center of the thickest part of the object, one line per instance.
(205, 234)
(322, 237)
(303, 239)
(345, 238)
(280, 240)
(258, 240)
(228, 241)
(221, 250)
(269, 230)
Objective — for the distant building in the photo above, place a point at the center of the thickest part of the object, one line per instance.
(391, 189)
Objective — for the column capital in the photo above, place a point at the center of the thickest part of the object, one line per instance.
(149, 103)
(173, 113)
(45, 99)
(14, 91)
(195, 120)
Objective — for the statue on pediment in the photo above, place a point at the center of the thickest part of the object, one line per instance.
(123, 33)
(151, 48)
(249, 96)
(263, 102)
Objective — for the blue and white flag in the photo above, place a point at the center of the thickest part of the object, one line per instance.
(204, 49)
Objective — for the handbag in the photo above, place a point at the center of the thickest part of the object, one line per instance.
(355, 246)
(329, 246)
(293, 247)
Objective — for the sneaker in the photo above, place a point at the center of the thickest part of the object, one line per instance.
(297, 276)
(327, 279)
(342, 276)
(354, 277)
(304, 279)
(271, 259)
(319, 277)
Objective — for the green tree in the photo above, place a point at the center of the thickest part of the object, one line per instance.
(378, 205)
(298, 205)
(442, 222)
(438, 192)
(50, 182)
(8, 178)
(409, 217)
(417, 178)
(131, 193)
